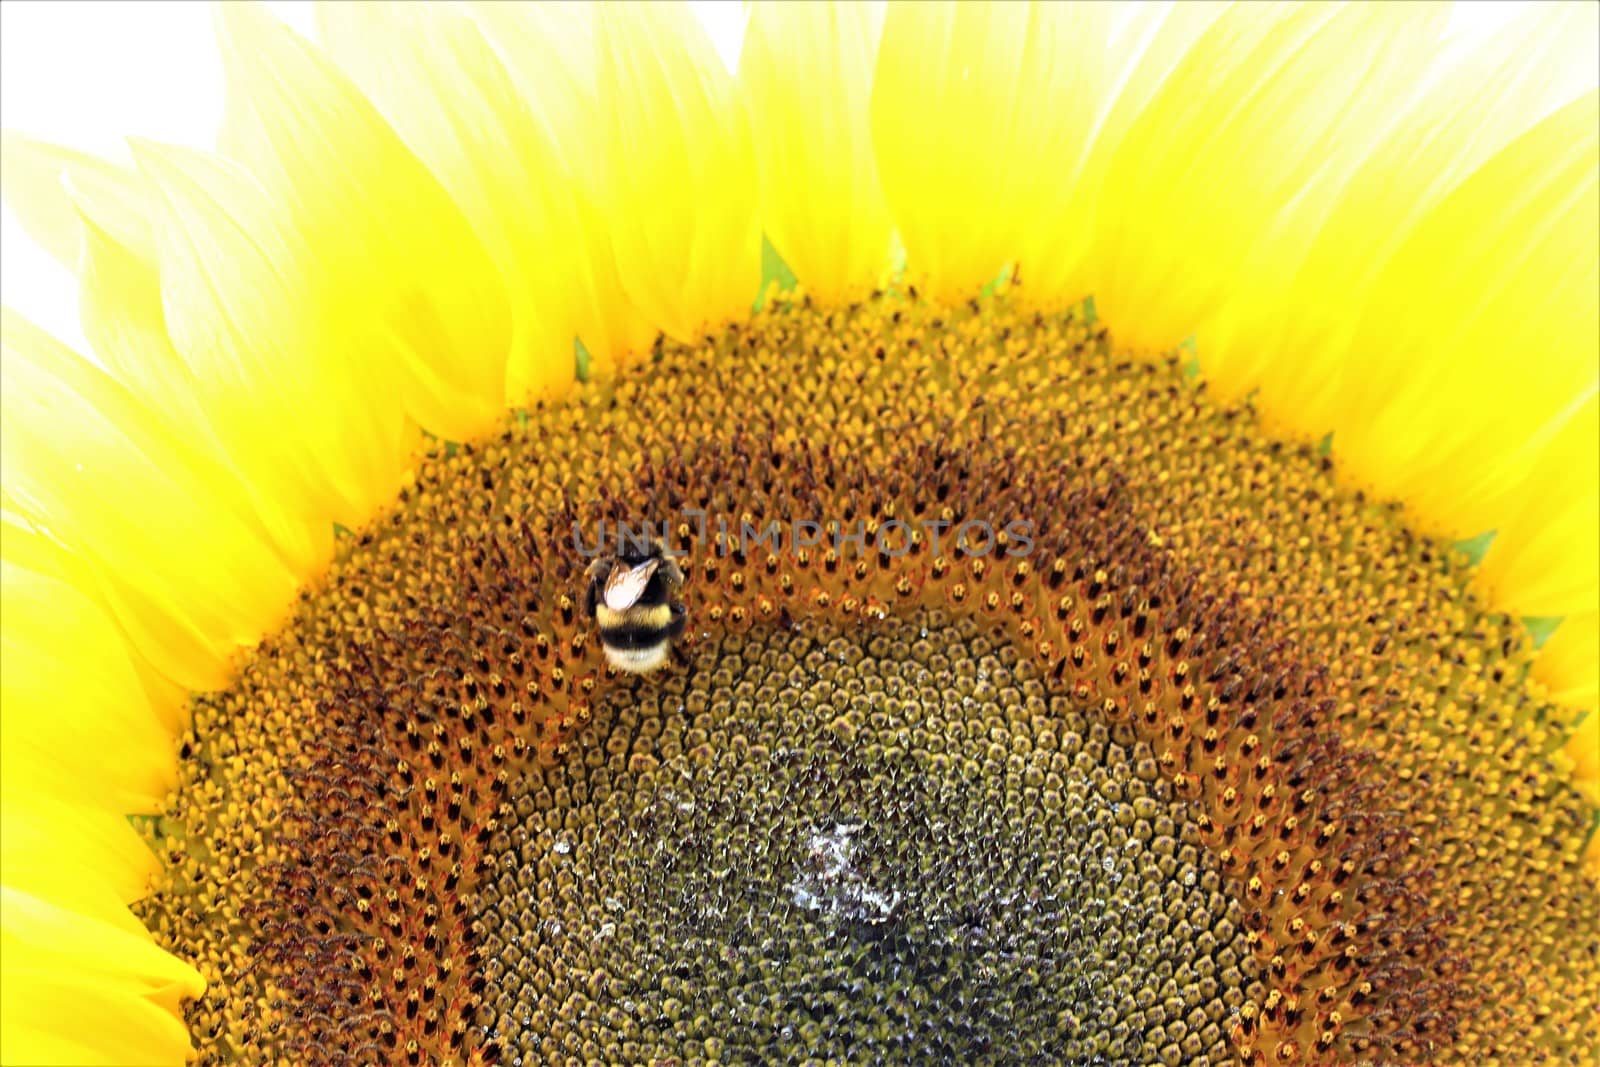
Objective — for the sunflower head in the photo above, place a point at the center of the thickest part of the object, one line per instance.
(1119, 487)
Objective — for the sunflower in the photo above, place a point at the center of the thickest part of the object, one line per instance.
(1134, 472)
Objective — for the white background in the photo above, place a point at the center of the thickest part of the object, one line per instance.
(87, 74)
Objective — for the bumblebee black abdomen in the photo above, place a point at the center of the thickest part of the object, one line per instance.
(640, 627)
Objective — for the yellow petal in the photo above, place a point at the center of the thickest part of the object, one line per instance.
(982, 115)
(67, 686)
(37, 179)
(48, 846)
(1481, 335)
(1145, 43)
(440, 85)
(1545, 558)
(1569, 663)
(24, 545)
(1293, 349)
(548, 51)
(1232, 166)
(120, 304)
(680, 182)
(186, 574)
(120, 311)
(276, 359)
(398, 273)
(806, 70)
(82, 957)
(25, 1041)
(1581, 754)
(123, 319)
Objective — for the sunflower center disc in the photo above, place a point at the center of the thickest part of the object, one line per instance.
(1209, 758)
(814, 845)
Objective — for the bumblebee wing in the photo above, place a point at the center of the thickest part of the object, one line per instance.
(625, 585)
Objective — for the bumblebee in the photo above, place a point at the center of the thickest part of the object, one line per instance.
(633, 598)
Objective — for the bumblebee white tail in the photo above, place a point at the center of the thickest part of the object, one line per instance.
(637, 660)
